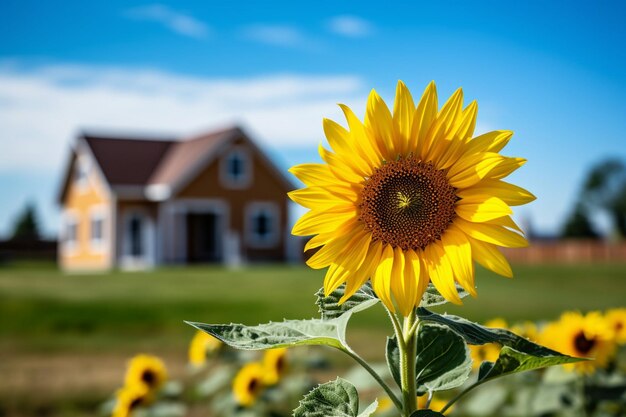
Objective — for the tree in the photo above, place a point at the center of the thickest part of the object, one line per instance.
(578, 225)
(26, 227)
(605, 189)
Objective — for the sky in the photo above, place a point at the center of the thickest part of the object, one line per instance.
(553, 72)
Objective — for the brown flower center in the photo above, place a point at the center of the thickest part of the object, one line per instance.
(253, 385)
(582, 344)
(407, 203)
(149, 377)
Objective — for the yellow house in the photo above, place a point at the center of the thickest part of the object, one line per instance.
(138, 202)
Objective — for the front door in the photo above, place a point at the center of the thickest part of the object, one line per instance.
(202, 237)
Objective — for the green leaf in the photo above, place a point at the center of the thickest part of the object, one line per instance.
(426, 413)
(392, 355)
(512, 361)
(443, 361)
(337, 398)
(330, 308)
(475, 334)
(280, 334)
(432, 297)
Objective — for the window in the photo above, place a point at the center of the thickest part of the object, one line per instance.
(262, 225)
(69, 232)
(236, 168)
(96, 227)
(81, 173)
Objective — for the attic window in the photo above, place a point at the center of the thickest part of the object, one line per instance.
(262, 225)
(236, 169)
(81, 172)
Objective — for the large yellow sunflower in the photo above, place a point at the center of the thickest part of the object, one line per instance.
(129, 398)
(581, 336)
(409, 198)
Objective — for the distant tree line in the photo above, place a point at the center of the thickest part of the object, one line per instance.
(603, 191)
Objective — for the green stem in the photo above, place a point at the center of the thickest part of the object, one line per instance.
(375, 375)
(407, 364)
(461, 394)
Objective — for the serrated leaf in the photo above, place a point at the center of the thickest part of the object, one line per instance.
(432, 297)
(443, 361)
(518, 354)
(392, 355)
(475, 334)
(337, 398)
(426, 413)
(281, 334)
(330, 308)
(511, 361)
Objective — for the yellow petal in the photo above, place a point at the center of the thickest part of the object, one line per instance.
(458, 248)
(440, 272)
(506, 222)
(348, 262)
(452, 110)
(492, 234)
(506, 167)
(509, 193)
(470, 170)
(401, 286)
(403, 110)
(381, 281)
(423, 118)
(466, 127)
(379, 121)
(366, 270)
(490, 257)
(340, 141)
(314, 174)
(414, 270)
(315, 222)
(320, 198)
(339, 166)
(482, 208)
(489, 142)
(366, 145)
(328, 253)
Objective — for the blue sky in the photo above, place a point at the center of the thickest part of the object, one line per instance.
(555, 73)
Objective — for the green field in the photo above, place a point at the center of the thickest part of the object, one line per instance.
(43, 309)
(67, 337)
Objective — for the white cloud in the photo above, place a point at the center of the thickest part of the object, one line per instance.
(279, 35)
(42, 109)
(351, 26)
(176, 21)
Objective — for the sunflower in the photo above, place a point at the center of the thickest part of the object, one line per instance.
(488, 351)
(582, 336)
(129, 398)
(616, 319)
(146, 370)
(409, 198)
(274, 365)
(248, 383)
(201, 346)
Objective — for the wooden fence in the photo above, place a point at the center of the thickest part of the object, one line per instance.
(568, 251)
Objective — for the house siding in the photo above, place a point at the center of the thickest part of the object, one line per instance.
(80, 205)
(264, 187)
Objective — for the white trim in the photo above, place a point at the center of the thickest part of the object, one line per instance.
(82, 171)
(69, 247)
(226, 178)
(158, 192)
(83, 148)
(272, 239)
(98, 213)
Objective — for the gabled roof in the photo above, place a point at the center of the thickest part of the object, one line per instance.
(157, 168)
(128, 161)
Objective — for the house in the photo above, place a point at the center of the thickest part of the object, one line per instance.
(134, 203)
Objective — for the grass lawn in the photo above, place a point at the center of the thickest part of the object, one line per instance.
(67, 337)
(44, 310)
